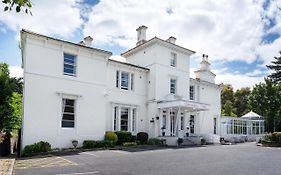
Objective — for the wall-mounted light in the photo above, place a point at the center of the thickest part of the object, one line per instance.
(152, 120)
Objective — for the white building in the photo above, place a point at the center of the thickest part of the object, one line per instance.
(74, 91)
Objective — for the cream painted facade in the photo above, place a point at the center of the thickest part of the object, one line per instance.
(148, 91)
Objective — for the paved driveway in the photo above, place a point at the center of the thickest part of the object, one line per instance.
(242, 159)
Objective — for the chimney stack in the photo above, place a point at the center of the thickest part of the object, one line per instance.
(88, 41)
(171, 39)
(141, 31)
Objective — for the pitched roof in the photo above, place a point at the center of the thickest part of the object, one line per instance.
(151, 41)
(129, 64)
(251, 115)
(68, 42)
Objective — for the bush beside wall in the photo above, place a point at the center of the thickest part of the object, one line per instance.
(88, 144)
(142, 137)
(38, 147)
(111, 136)
(123, 137)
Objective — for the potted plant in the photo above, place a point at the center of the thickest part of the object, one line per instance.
(163, 130)
(75, 143)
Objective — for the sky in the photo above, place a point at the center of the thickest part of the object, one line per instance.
(241, 37)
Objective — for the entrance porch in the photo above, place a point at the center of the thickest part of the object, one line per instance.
(177, 118)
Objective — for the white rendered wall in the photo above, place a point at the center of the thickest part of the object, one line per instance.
(45, 85)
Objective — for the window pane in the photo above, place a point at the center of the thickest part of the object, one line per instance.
(124, 119)
(125, 80)
(191, 92)
(173, 59)
(67, 124)
(68, 113)
(117, 79)
(132, 81)
(173, 86)
(69, 64)
(115, 118)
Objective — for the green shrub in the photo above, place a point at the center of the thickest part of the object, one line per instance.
(134, 138)
(111, 136)
(180, 141)
(104, 144)
(38, 147)
(272, 138)
(129, 144)
(154, 141)
(266, 138)
(276, 137)
(89, 144)
(123, 137)
(142, 137)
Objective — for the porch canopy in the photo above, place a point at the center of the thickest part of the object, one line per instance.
(190, 106)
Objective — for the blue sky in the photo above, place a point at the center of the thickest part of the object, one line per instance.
(240, 37)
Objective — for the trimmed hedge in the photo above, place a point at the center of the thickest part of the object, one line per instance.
(87, 144)
(142, 137)
(155, 141)
(123, 137)
(111, 136)
(38, 147)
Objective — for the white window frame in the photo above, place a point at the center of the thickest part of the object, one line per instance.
(63, 112)
(132, 118)
(118, 81)
(192, 93)
(175, 84)
(173, 59)
(74, 64)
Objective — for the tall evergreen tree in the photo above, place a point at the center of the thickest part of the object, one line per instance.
(276, 67)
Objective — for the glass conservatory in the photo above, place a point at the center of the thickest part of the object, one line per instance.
(248, 127)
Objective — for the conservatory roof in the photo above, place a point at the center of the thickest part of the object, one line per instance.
(252, 115)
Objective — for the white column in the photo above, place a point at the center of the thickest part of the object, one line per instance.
(118, 127)
(177, 122)
(168, 131)
(160, 121)
(130, 120)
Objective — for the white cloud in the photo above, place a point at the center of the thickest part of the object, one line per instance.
(238, 80)
(16, 71)
(227, 29)
(49, 17)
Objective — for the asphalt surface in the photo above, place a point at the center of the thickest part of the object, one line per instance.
(242, 159)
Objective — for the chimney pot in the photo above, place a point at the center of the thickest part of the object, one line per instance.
(88, 41)
(171, 39)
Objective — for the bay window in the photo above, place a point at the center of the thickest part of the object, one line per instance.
(124, 118)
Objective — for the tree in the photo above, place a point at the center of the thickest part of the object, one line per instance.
(227, 99)
(227, 109)
(276, 67)
(265, 99)
(21, 5)
(241, 98)
(10, 104)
